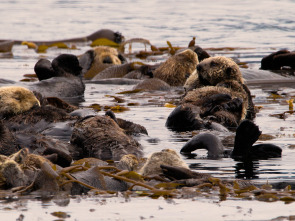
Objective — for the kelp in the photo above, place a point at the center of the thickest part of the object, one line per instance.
(116, 109)
(116, 98)
(204, 187)
(130, 92)
(43, 47)
(95, 107)
(104, 42)
(169, 105)
(145, 42)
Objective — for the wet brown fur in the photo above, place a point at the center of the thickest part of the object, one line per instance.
(165, 157)
(101, 137)
(176, 69)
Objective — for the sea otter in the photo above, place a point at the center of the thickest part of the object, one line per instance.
(217, 93)
(176, 69)
(247, 134)
(101, 137)
(167, 157)
(277, 60)
(61, 78)
(99, 58)
(15, 100)
(102, 33)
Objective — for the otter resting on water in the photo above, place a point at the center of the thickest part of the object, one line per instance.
(61, 78)
(215, 93)
(246, 135)
(278, 60)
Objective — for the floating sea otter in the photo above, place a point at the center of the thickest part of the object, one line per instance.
(278, 60)
(99, 58)
(246, 135)
(60, 78)
(103, 138)
(216, 93)
(102, 33)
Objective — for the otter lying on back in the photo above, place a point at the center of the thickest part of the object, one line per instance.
(215, 93)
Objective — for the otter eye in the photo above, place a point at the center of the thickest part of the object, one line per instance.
(187, 76)
(213, 64)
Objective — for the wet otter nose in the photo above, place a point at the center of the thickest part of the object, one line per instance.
(107, 60)
(199, 67)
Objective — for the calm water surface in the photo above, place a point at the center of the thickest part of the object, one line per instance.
(255, 28)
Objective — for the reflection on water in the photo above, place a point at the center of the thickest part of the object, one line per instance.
(247, 170)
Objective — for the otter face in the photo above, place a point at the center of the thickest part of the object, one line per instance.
(214, 70)
(15, 100)
(106, 55)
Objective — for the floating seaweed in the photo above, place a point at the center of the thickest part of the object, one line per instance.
(104, 42)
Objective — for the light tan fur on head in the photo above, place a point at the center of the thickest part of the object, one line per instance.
(218, 69)
(12, 174)
(103, 52)
(176, 69)
(15, 100)
(104, 57)
(165, 157)
(213, 71)
(128, 162)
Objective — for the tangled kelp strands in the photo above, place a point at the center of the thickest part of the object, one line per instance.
(175, 182)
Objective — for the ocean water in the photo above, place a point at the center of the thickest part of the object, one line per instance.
(253, 28)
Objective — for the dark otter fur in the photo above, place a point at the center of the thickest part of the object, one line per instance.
(206, 141)
(204, 105)
(60, 79)
(129, 127)
(247, 134)
(219, 92)
(101, 137)
(278, 59)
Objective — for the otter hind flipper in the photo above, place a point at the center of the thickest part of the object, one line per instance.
(247, 134)
(206, 141)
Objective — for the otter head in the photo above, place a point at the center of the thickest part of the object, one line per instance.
(176, 69)
(165, 157)
(98, 59)
(16, 100)
(214, 70)
(66, 64)
(106, 55)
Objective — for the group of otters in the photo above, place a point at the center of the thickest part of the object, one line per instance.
(215, 98)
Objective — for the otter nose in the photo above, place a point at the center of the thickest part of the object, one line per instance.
(199, 67)
(107, 60)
